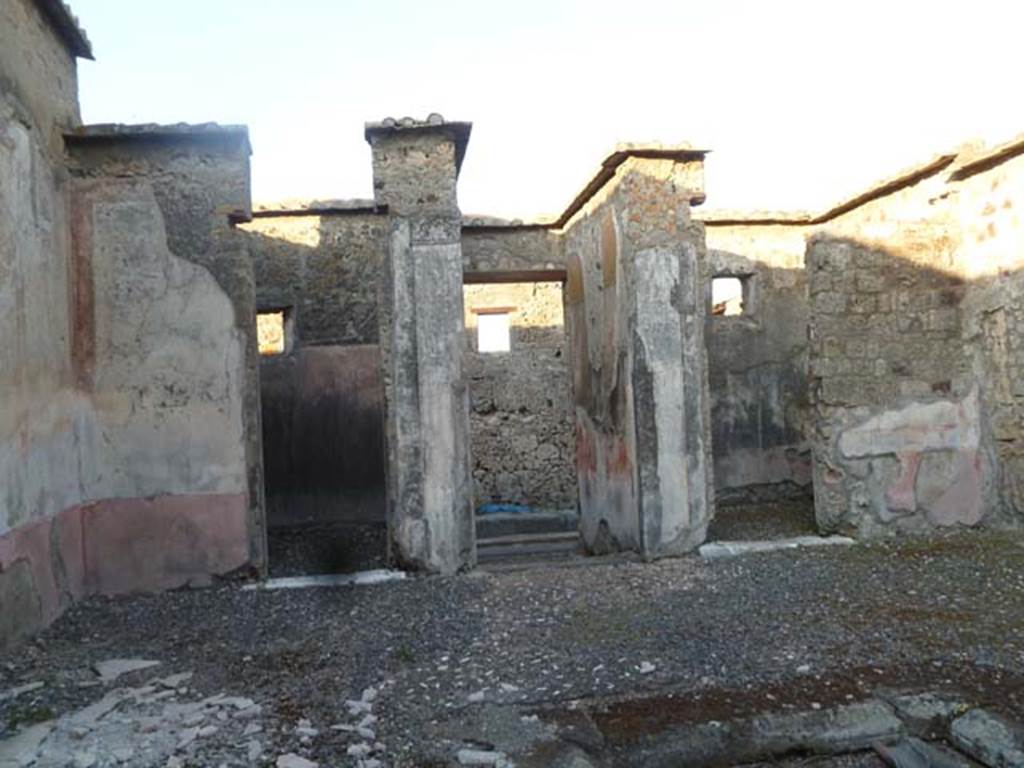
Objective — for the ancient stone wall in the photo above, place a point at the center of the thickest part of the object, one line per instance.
(321, 398)
(986, 196)
(493, 249)
(912, 356)
(757, 364)
(520, 402)
(172, 194)
(324, 268)
(39, 447)
(635, 308)
(123, 440)
(429, 477)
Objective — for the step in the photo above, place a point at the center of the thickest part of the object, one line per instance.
(528, 545)
(513, 523)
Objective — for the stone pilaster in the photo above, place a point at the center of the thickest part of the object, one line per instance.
(429, 481)
(635, 320)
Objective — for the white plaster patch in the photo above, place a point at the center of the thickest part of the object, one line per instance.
(916, 428)
(661, 335)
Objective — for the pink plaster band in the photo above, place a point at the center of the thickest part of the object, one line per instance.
(117, 546)
(901, 495)
(147, 545)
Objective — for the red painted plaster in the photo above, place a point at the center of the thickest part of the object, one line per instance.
(117, 546)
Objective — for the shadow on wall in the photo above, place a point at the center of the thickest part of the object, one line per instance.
(757, 363)
(322, 397)
(917, 386)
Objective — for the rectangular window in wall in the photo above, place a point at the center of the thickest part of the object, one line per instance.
(728, 296)
(492, 331)
(272, 331)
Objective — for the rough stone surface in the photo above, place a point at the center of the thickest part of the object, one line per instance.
(989, 738)
(511, 252)
(912, 355)
(324, 268)
(914, 753)
(520, 415)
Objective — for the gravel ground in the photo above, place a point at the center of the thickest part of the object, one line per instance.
(319, 548)
(633, 645)
(759, 522)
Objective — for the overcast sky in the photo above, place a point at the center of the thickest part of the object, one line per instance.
(802, 103)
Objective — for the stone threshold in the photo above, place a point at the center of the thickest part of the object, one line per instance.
(717, 550)
(361, 578)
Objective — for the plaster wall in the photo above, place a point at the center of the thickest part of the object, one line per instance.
(635, 320)
(122, 371)
(990, 257)
(39, 473)
(429, 478)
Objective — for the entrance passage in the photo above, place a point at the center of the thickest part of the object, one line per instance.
(323, 458)
(521, 419)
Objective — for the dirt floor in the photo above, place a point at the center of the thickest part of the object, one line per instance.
(476, 661)
(320, 548)
(759, 522)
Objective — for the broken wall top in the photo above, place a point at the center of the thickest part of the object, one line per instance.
(66, 25)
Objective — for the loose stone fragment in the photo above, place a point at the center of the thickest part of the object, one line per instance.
(13, 693)
(291, 760)
(21, 749)
(359, 750)
(914, 753)
(111, 669)
(480, 757)
(989, 738)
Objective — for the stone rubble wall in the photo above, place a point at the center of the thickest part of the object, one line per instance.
(521, 419)
(510, 250)
(325, 268)
(914, 300)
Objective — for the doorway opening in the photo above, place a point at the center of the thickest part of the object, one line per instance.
(521, 420)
